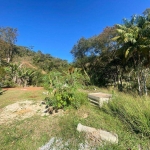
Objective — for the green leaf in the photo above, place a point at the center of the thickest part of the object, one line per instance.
(127, 52)
(115, 38)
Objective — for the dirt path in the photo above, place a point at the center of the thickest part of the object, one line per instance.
(25, 88)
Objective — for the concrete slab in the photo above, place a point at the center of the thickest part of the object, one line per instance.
(99, 98)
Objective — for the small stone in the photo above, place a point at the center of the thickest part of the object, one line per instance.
(43, 102)
(45, 111)
(56, 110)
(46, 106)
(50, 110)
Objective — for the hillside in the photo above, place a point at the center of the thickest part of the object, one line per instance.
(27, 67)
(37, 60)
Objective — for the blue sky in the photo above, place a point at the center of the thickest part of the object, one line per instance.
(54, 26)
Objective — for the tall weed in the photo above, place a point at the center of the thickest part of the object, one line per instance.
(134, 112)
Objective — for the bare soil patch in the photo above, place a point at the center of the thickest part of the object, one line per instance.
(19, 111)
(22, 110)
(21, 103)
(24, 88)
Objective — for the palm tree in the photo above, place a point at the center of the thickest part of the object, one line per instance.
(134, 44)
(25, 74)
(14, 68)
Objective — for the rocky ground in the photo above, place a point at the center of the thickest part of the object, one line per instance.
(25, 109)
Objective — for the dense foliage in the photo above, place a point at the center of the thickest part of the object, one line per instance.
(119, 56)
(42, 61)
(8, 37)
(21, 66)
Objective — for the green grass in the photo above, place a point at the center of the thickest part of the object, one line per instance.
(100, 120)
(132, 111)
(27, 134)
(132, 117)
(14, 95)
(125, 115)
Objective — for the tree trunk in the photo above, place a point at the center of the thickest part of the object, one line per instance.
(25, 83)
(144, 81)
(139, 84)
(15, 79)
(121, 87)
(8, 59)
(9, 54)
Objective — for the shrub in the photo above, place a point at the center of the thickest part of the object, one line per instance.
(63, 88)
(66, 97)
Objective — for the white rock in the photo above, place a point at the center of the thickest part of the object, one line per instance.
(101, 134)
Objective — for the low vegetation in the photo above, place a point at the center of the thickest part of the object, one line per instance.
(125, 115)
(63, 88)
(133, 112)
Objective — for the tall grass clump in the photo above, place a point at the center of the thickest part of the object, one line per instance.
(134, 112)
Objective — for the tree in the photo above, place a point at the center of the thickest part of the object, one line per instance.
(134, 39)
(25, 75)
(8, 37)
(91, 54)
(2, 74)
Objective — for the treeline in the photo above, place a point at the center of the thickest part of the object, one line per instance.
(21, 66)
(119, 56)
(42, 61)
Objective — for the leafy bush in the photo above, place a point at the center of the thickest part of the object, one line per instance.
(37, 78)
(63, 88)
(2, 75)
(8, 83)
